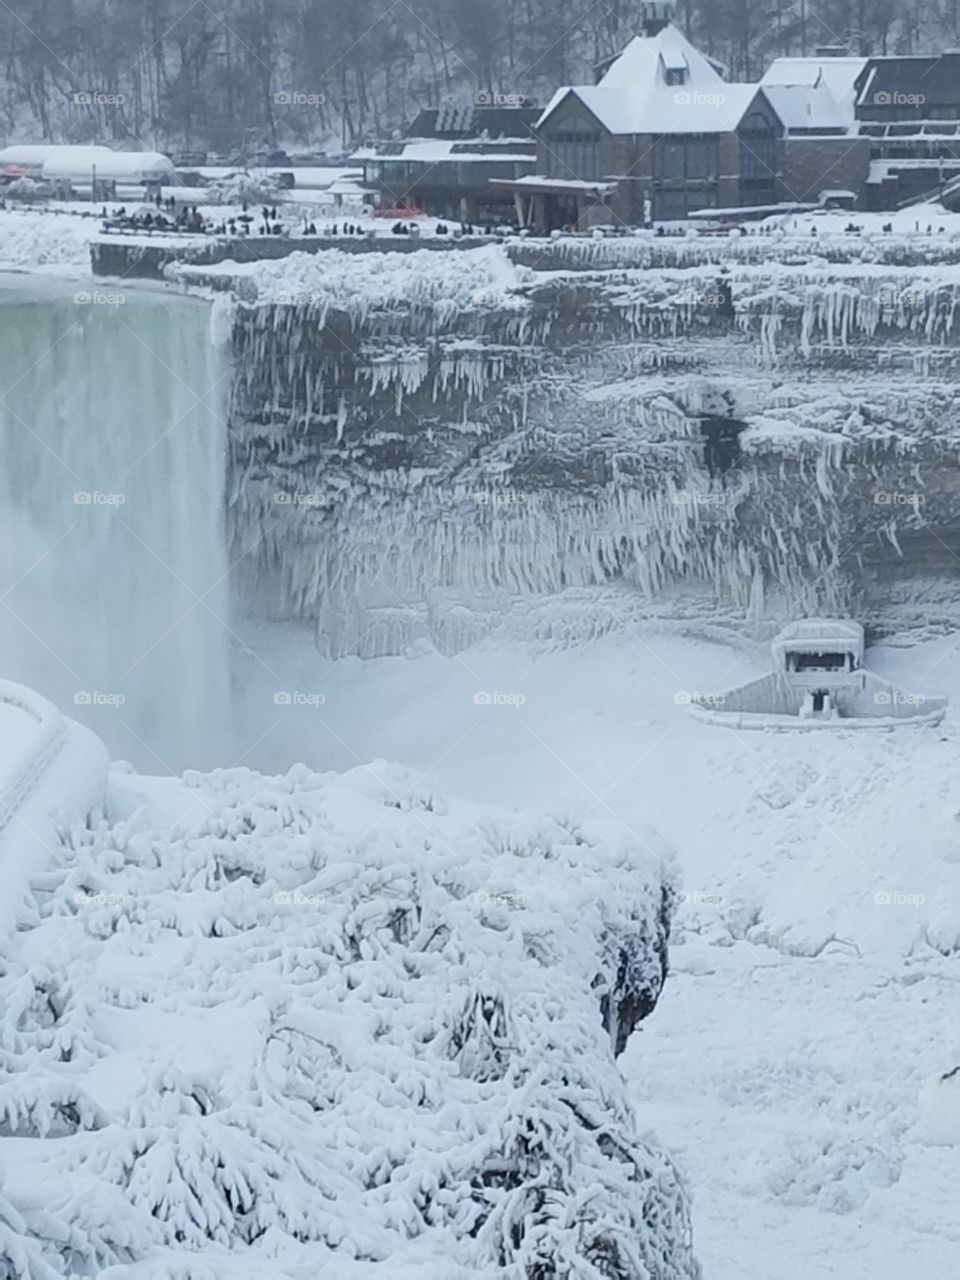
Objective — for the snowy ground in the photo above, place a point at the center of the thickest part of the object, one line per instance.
(782, 1067)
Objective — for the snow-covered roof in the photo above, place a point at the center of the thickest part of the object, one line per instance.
(806, 107)
(539, 182)
(819, 635)
(30, 155)
(837, 75)
(634, 96)
(78, 164)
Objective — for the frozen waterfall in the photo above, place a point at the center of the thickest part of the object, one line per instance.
(113, 574)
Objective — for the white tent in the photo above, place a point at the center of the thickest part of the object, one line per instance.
(78, 164)
(26, 160)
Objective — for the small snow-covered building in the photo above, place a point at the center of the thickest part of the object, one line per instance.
(818, 680)
(101, 169)
(659, 135)
(444, 165)
(26, 160)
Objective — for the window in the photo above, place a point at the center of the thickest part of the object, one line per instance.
(573, 151)
(686, 157)
(758, 151)
(676, 75)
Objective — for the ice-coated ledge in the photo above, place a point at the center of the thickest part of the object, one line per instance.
(53, 773)
(339, 1024)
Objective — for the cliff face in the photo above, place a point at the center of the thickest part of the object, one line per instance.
(418, 442)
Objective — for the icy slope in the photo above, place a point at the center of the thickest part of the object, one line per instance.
(337, 1026)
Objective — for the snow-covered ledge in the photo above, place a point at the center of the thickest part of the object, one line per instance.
(53, 773)
(336, 1025)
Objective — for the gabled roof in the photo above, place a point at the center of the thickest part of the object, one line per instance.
(803, 107)
(837, 75)
(634, 97)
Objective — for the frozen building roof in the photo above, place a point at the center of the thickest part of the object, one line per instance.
(807, 107)
(820, 635)
(77, 164)
(661, 84)
(22, 158)
(837, 75)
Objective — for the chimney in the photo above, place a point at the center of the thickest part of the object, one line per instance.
(655, 15)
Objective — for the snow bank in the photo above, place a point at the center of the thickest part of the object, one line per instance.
(30, 239)
(335, 1026)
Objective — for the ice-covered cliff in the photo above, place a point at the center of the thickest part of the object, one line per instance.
(418, 440)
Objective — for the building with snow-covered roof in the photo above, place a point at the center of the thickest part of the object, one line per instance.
(818, 680)
(26, 160)
(815, 98)
(661, 134)
(902, 119)
(444, 166)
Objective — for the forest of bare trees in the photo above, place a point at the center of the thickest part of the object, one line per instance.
(235, 74)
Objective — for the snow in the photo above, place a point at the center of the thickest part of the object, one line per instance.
(837, 75)
(79, 163)
(34, 240)
(802, 107)
(319, 1021)
(819, 635)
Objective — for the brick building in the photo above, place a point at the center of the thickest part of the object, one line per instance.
(660, 134)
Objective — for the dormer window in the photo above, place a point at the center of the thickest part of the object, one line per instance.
(676, 75)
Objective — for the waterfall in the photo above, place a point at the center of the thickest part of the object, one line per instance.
(113, 573)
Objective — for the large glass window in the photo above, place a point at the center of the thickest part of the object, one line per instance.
(686, 157)
(758, 149)
(573, 151)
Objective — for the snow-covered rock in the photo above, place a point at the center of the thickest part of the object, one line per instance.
(335, 1025)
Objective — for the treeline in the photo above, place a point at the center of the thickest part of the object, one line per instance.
(246, 74)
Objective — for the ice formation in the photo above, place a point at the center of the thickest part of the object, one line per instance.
(335, 1026)
(420, 440)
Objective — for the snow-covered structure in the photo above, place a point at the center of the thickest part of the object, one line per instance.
(26, 160)
(671, 136)
(102, 169)
(334, 1026)
(818, 680)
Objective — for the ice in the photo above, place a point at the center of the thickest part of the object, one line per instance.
(336, 1002)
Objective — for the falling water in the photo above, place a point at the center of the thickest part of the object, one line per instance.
(113, 575)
